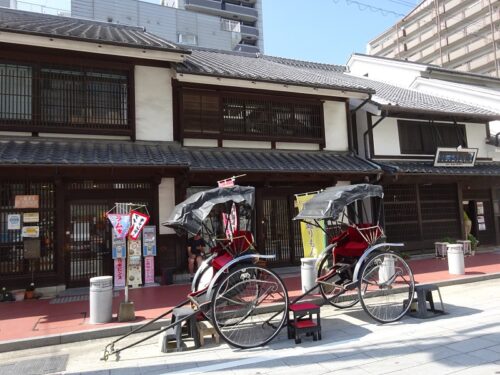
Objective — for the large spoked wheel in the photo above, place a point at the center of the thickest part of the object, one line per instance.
(386, 287)
(249, 306)
(331, 285)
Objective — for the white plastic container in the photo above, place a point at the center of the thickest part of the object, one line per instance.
(101, 299)
(456, 259)
(387, 270)
(308, 273)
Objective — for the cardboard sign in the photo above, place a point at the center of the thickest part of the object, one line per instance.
(31, 231)
(31, 217)
(27, 201)
(14, 222)
(149, 270)
(31, 248)
(149, 241)
(119, 272)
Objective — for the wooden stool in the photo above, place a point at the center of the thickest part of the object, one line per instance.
(302, 321)
(206, 329)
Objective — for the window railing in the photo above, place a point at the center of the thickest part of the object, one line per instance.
(37, 98)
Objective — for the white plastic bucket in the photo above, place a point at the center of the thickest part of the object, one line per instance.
(386, 271)
(456, 259)
(308, 273)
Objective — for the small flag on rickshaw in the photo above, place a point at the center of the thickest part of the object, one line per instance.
(226, 183)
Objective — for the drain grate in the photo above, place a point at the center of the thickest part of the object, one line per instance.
(36, 366)
(76, 298)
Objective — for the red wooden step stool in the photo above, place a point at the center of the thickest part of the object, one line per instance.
(304, 318)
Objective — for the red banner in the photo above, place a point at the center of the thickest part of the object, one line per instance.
(137, 222)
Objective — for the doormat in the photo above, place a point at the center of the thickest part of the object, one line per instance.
(75, 298)
(36, 366)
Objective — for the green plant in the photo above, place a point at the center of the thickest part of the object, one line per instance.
(473, 241)
(448, 239)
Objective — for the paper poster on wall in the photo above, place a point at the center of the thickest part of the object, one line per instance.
(14, 222)
(480, 219)
(482, 226)
(26, 201)
(119, 272)
(31, 231)
(480, 208)
(31, 217)
(149, 241)
(118, 248)
(149, 270)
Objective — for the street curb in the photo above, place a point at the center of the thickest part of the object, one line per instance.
(65, 338)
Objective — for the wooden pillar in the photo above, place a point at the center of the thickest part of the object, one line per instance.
(60, 235)
(460, 210)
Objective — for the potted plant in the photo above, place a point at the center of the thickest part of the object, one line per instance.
(473, 243)
(30, 291)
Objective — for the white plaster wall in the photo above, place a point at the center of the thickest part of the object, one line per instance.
(401, 74)
(245, 144)
(476, 138)
(153, 104)
(336, 136)
(195, 142)
(166, 199)
(297, 146)
(386, 137)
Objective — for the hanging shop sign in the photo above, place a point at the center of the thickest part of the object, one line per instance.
(455, 157)
(119, 272)
(27, 201)
(120, 223)
(31, 231)
(118, 247)
(14, 222)
(149, 241)
(149, 270)
(31, 248)
(31, 217)
(137, 222)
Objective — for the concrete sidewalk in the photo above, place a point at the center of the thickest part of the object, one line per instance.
(35, 323)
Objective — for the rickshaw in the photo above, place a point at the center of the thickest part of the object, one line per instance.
(247, 303)
(358, 265)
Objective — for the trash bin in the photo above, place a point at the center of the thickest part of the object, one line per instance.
(387, 269)
(101, 299)
(456, 259)
(308, 273)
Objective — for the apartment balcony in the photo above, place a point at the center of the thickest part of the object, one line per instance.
(218, 8)
(249, 32)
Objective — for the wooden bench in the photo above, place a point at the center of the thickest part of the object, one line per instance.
(206, 329)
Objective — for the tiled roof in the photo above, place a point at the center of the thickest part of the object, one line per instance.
(89, 153)
(211, 159)
(427, 167)
(83, 30)
(267, 69)
(306, 64)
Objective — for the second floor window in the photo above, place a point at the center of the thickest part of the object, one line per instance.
(423, 138)
(234, 115)
(38, 98)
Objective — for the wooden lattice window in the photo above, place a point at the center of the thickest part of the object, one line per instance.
(64, 99)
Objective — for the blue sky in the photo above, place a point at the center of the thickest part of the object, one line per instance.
(316, 30)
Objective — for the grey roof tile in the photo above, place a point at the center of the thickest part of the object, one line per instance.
(90, 153)
(84, 30)
(217, 159)
(427, 167)
(268, 69)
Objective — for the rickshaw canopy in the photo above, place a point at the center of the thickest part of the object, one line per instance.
(189, 215)
(330, 203)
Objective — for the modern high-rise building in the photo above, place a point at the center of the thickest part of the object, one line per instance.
(455, 34)
(234, 25)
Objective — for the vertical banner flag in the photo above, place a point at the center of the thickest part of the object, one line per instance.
(230, 221)
(119, 272)
(120, 223)
(313, 238)
(137, 222)
(149, 270)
